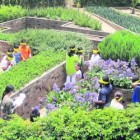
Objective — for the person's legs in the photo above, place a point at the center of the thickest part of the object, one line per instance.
(73, 79)
(68, 79)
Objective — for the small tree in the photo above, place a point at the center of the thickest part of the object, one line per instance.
(134, 4)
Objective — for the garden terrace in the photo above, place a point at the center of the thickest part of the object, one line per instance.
(125, 21)
(13, 12)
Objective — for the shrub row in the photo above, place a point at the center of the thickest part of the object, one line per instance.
(27, 70)
(41, 39)
(68, 124)
(124, 20)
(122, 45)
(13, 12)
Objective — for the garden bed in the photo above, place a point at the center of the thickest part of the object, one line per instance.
(122, 20)
(128, 10)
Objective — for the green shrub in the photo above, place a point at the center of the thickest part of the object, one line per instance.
(11, 12)
(45, 39)
(67, 124)
(121, 45)
(67, 15)
(124, 20)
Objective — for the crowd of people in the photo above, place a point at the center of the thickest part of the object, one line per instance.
(15, 55)
(74, 70)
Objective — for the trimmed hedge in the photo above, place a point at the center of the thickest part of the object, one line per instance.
(77, 124)
(121, 45)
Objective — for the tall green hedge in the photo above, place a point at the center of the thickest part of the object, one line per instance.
(78, 124)
(121, 45)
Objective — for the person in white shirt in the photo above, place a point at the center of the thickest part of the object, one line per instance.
(117, 101)
(94, 58)
(7, 62)
(78, 72)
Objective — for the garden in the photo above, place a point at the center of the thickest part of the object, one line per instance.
(69, 110)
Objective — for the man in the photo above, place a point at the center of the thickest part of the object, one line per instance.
(25, 50)
(104, 94)
(136, 92)
(7, 62)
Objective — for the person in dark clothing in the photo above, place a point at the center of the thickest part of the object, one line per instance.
(34, 114)
(7, 102)
(104, 94)
(136, 92)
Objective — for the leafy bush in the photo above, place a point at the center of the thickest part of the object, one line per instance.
(124, 20)
(107, 124)
(13, 12)
(121, 45)
(41, 39)
(67, 15)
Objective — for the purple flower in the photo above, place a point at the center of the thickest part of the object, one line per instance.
(56, 88)
(36, 107)
(79, 99)
(50, 107)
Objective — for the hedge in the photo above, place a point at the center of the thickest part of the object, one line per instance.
(121, 45)
(68, 124)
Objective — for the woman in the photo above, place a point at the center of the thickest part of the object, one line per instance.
(71, 60)
(7, 102)
(94, 58)
(78, 72)
(117, 101)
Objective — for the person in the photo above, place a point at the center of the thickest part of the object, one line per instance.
(71, 60)
(25, 50)
(105, 93)
(136, 91)
(7, 102)
(117, 101)
(79, 72)
(34, 114)
(1, 71)
(94, 58)
(80, 55)
(7, 62)
(17, 54)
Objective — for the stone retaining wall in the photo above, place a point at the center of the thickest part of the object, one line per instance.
(39, 88)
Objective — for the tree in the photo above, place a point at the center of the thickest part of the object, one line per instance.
(134, 4)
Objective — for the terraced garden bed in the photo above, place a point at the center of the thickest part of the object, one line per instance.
(124, 20)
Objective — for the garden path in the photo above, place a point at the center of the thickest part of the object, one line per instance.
(105, 27)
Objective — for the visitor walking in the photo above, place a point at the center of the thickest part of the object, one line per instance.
(7, 62)
(104, 93)
(25, 50)
(17, 54)
(94, 58)
(136, 91)
(71, 60)
(78, 72)
(7, 105)
(117, 101)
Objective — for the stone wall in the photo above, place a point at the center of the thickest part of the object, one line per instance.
(39, 88)
(3, 48)
(14, 25)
